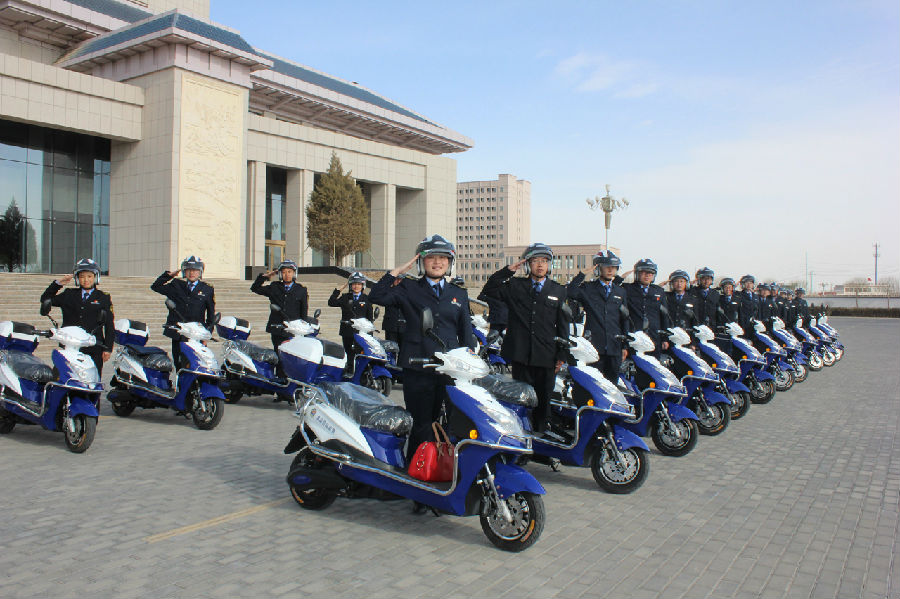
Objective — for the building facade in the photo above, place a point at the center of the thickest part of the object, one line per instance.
(138, 132)
(490, 215)
(568, 260)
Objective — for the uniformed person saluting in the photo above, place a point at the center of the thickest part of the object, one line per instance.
(194, 300)
(800, 309)
(645, 302)
(681, 304)
(606, 310)
(287, 293)
(82, 306)
(706, 299)
(748, 304)
(424, 390)
(767, 307)
(354, 304)
(729, 302)
(535, 318)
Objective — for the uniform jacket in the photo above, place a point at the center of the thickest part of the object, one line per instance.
(84, 314)
(198, 305)
(731, 305)
(683, 312)
(606, 317)
(748, 309)
(799, 309)
(534, 320)
(641, 306)
(451, 315)
(767, 309)
(294, 303)
(350, 309)
(707, 307)
(393, 321)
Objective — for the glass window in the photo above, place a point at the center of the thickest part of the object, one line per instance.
(276, 190)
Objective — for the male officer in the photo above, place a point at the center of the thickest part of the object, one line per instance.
(706, 299)
(353, 304)
(394, 323)
(729, 302)
(287, 293)
(194, 299)
(645, 303)
(748, 304)
(536, 318)
(424, 390)
(83, 307)
(782, 304)
(800, 308)
(682, 305)
(606, 310)
(766, 304)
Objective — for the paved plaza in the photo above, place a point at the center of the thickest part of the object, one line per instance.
(801, 498)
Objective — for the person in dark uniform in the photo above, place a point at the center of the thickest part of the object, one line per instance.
(536, 318)
(682, 305)
(706, 299)
(354, 304)
(782, 304)
(800, 308)
(606, 310)
(394, 323)
(645, 302)
(287, 293)
(194, 299)
(497, 316)
(424, 390)
(766, 304)
(729, 302)
(748, 304)
(83, 307)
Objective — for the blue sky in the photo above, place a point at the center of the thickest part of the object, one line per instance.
(746, 136)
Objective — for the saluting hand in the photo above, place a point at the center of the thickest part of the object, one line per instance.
(65, 280)
(515, 267)
(268, 274)
(402, 269)
(172, 273)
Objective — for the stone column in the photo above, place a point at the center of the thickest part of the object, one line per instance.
(299, 188)
(382, 225)
(255, 250)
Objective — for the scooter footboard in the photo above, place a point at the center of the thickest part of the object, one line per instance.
(678, 412)
(80, 405)
(626, 439)
(510, 479)
(734, 386)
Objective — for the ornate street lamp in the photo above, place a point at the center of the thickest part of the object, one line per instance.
(608, 204)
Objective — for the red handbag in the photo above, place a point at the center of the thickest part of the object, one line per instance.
(433, 460)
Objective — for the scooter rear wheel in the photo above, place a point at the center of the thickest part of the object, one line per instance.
(313, 499)
(123, 409)
(528, 517)
(620, 479)
(83, 435)
(383, 385)
(7, 424)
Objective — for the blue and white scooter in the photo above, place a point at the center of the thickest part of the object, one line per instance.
(251, 369)
(776, 357)
(729, 372)
(31, 393)
(828, 337)
(793, 348)
(588, 425)
(810, 346)
(753, 365)
(350, 442)
(489, 343)
(713, 409)
(657, 396)
(141, 378)
(370, 363)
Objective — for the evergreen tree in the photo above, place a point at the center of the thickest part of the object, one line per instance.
(337, 215)
(12, 231)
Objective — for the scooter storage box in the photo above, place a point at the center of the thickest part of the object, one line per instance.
(17, 336)
(131, 332)
(234, 329)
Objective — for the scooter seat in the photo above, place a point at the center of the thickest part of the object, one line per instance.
(26, 366)
(368, 408)
(151, 357)
(257, 353)
(506, 389)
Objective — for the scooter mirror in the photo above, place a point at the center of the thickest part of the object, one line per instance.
(170, 304)
(645, 324)
(427, 321)
(274, 308)
(218, 317)
(45, 307)
(377, 312)
(317, 312)
(567, 311)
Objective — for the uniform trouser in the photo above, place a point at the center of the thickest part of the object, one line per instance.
(542, 379)
(278, 339)
(349, 349)
(609, 365)
(96, 354)
(176, 353)
(424, 393)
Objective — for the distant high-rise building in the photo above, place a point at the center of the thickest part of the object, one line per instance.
(490, 215)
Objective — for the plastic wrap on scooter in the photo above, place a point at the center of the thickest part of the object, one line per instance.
(504, 388)
(368, 407)
(390, 347)
(257, 353)
(26, 366)
(151, 357)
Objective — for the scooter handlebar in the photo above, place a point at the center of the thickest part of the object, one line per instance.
(563, 341)
(421, 361)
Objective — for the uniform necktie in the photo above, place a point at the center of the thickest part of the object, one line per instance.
(356, 297)
(606, 291)
(85, 295)
(679, 296)
(535, 288)
(645, 290)
(705, 292)
(437, 289)
(192, 285)
(288, 287)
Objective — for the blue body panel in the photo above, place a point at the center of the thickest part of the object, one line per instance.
(208, 390)
(487, 431)
(385, 447)
(678, 412)
(494, 358)
(625, 439)
(378, 371)
(762, 375)
(510, 479)
(734, 386)
(713, 397)
(651, 401)
(588, 422)
(80, 405)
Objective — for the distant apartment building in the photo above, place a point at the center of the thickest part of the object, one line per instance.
(568, 260)
(490, 215)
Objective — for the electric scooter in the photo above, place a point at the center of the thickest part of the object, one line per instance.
(729, 372)
(350, 442)
(141, 378)
(370, 363)
(489, 343)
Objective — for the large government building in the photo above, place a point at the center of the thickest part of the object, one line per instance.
(138, 132)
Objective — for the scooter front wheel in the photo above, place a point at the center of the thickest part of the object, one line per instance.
(81, 434)
(838, 354)
(762, 391)
(828, 358)
(784, 379)
(718, 422)
(740, 404)
(527, 510)
(676, 441)
(801, 371)
(208, 413)
(617, 478)
(384, 385)
(815, 362)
